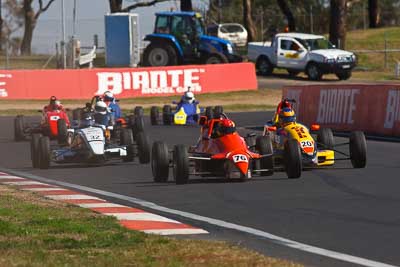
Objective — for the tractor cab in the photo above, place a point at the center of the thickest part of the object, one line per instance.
(179, 38)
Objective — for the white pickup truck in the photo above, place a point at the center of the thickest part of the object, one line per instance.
(298, 52)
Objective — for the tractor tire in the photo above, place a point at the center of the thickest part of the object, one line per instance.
(154, 114)
(35, 157)
(215, 59)
(358, 149)
(167, 115)
(126, 139)
(292, 159)
(44, 152)
(19, 128)
(264, 147)
(160, 162)
(180, 164)
(325, 138)
(313, 72)
(143, 144)
(62, 132)
(159, 54)
(264, 66)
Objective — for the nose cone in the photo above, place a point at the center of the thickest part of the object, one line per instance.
(242, 166)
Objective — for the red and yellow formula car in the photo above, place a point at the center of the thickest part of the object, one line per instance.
(220, 152)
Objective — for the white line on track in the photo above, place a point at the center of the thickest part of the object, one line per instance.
(271, 237)
(101, 205)
(176, 231)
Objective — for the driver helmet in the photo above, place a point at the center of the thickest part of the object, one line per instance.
(108, 96)
(57, 105)
(100, 107)
(226, 126)
(53, 100)
(188, 97)
(287, 115)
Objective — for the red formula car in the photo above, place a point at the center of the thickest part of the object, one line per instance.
(220, 152)
(54, 124)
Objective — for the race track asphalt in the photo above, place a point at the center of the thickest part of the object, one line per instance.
(352, 211)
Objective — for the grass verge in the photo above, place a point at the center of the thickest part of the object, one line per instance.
(35, 231)
(258, 100)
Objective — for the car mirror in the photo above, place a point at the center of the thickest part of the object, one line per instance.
(203, 120)
(300, 50)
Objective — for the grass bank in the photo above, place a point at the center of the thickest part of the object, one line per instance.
(258, 100)
(35, 231)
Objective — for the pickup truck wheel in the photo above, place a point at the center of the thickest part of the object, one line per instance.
(154, 113)
(160, 55)
(313, 72)
(293, 73)
(215, 59)
(264, 66)
(345, 75)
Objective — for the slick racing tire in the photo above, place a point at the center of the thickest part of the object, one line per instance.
(358, 149)
(180, 164)
(137, 123)
(218, 110)
(167, 115)
(35, 156)
(292, 159)
(154, 114)
(160, 162)
(62, 132)
(209, 113)
(44, 152)
(19, 128)
(325, 138)
(264, 147)
(138, 111)
(126, 139)
(143, 144)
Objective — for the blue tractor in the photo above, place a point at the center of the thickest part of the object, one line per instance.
(179, 38)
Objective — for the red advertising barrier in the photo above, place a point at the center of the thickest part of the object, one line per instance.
(371, 108)
(126, 82)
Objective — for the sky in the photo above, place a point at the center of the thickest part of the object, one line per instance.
(90, 21)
